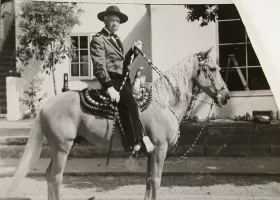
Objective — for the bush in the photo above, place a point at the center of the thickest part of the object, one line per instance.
(33, 103)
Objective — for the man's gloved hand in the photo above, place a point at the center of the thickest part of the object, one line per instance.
(137, 44)
(115, 96)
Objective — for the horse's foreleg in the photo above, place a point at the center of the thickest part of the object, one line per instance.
(149, 178)
(55, 173)
(158, 159)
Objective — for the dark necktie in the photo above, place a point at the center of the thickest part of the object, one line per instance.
(117, 41)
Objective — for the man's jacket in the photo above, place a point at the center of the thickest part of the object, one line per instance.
(107, 56)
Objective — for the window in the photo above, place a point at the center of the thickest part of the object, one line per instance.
(234, 45)
(80, 63)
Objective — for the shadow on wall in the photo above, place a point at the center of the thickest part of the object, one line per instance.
(141, 31)
(33, 73)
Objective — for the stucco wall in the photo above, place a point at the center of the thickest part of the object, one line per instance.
(173, 37)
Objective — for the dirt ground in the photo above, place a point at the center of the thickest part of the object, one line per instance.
(135, 185)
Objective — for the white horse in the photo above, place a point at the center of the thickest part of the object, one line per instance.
(63, 118)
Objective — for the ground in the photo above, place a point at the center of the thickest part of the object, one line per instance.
(134, 185)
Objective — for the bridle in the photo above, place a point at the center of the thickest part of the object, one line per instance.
(203, 68)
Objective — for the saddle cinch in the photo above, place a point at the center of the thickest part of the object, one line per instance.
(98, 102)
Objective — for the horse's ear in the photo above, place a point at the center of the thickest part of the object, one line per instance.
(206, 53)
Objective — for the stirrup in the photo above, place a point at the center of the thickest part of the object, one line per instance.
(148, 144)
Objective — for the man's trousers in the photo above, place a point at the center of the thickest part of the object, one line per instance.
(128, 110)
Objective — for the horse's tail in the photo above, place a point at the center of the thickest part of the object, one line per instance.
(31, 153)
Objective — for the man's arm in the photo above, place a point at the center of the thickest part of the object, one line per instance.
(97, 52)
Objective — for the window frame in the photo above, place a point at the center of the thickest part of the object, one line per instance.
(241, 93)
(90, 72)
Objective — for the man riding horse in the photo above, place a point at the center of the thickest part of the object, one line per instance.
(110, 67)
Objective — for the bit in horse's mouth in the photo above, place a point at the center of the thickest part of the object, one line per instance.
(218, 101)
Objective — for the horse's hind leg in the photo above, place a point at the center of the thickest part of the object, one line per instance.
(55, 172)
(48, 173)
(157, 163)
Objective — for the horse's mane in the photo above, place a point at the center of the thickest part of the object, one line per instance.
(166, 94)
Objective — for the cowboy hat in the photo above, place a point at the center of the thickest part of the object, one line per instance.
(113, 10)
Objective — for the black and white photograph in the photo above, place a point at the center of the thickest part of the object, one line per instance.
(139, 100)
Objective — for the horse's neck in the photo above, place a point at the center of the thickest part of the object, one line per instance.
(181, 107)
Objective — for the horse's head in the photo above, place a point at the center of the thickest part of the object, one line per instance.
(206, 76)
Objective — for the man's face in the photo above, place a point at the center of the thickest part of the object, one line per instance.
(112, 23)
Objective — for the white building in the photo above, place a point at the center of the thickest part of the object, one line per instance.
(167, 37)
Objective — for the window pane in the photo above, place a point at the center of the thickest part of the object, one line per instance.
(75, 57)
(84, 55)
(237, 50)
(83, 42)
(231, 32)
(234, 81)
(84, 69)
(252, 57)
(257, 80)
(75, 41)
(228, 11)
(74, 69)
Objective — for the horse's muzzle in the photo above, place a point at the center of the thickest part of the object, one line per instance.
(222, 98)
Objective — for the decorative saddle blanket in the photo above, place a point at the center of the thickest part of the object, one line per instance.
(98, 101)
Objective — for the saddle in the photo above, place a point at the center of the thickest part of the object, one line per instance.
(98, 102)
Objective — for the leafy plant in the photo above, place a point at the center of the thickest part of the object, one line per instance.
(193, 118)
(203, 13)
(33, 102)
(46, 28)
(214, 117)
(246, 117)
